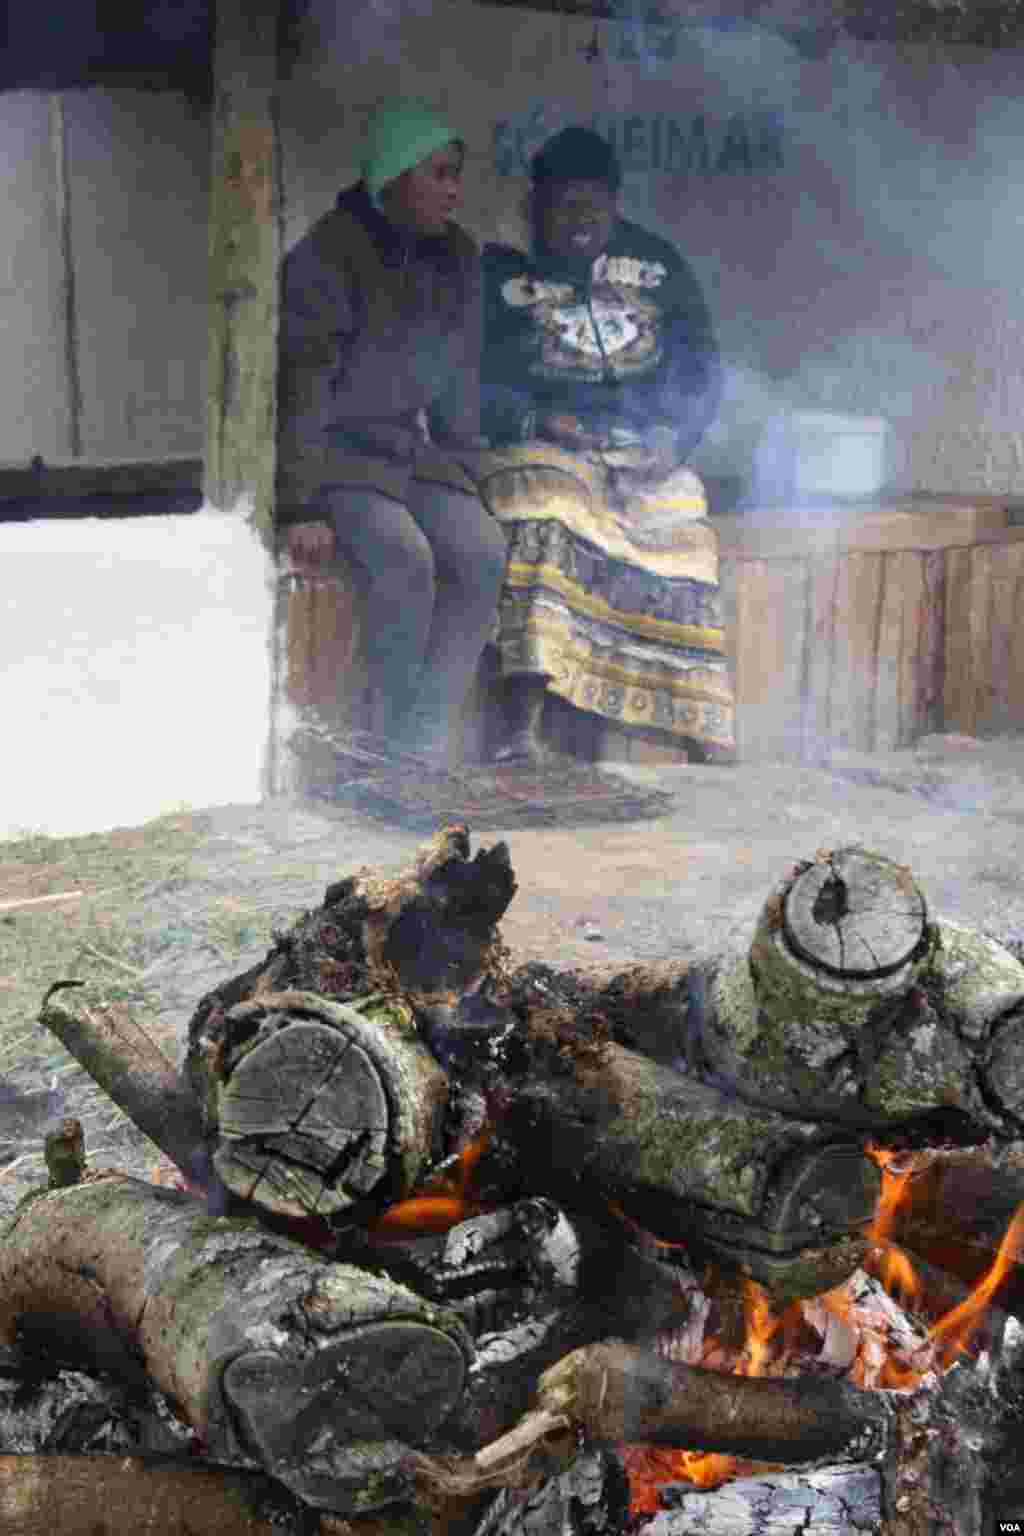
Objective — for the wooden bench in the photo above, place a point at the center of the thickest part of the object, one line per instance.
(321, 668)
(864, 627)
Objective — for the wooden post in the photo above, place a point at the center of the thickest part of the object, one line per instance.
(72, 382)
(244, 245)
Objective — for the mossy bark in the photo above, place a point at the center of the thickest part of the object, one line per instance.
(244, 258)
(130, 1068)
(319, 1373)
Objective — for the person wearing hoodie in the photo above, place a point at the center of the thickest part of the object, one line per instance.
(378, 395)
(600, 376)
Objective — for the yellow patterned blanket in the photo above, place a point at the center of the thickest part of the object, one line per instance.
(619, 606)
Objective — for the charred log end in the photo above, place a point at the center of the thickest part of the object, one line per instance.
(837, 940)
(321, 1105)
(810, 1233)
(335, 1429)
(433, 932)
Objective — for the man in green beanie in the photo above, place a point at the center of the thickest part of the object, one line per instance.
(379, 392)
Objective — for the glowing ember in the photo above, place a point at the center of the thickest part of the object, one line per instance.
(650, 1466)
(423, 1214)
(444, 1202)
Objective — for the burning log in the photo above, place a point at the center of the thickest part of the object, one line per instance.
(312, 1105)
(691, 1165)
(612, 1391)
(76, 1496)
(318, 1373)
(616, 1392)
(727, 1107)
(927, 1461)
(958, 1215)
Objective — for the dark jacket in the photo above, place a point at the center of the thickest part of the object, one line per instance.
(376, 326)
(654, 360)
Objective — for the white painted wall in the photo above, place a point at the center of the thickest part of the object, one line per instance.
(136, 669)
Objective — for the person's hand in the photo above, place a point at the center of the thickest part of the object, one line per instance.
(310, 546)
(641, 468)
(569, 432)
(651, 458)
(464, 442)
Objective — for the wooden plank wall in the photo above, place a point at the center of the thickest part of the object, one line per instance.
(983, 689)
(892, 624)
(862, 637)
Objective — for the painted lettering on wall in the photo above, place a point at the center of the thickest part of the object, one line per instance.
(651, 44)
(747, 144)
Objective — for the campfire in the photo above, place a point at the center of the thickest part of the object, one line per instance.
(880, 1328)
(431, 1232)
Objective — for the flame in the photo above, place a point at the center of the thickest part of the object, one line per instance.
(423, 1214)
(895, 1190)
(953, 1332)
(762, 1326)
(896, 1271)
(650, 1466)
(443, 1202)
(889, 1355)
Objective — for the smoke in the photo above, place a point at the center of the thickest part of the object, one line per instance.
(873, 271)
(369, 32)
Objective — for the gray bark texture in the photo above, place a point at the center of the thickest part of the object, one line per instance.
(590, 1498)
(109, 1495)
(320, 1374)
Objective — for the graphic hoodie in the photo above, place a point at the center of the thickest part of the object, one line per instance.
(627, 343)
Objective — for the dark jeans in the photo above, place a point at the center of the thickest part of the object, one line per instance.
(432, 570)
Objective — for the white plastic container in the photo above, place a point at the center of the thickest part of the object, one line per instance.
(811, 454)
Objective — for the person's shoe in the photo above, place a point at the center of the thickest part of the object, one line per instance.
(426, 742)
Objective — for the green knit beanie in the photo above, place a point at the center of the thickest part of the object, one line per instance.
(399, 136)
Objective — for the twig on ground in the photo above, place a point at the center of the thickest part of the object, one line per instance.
(121, 965)
(38, 901)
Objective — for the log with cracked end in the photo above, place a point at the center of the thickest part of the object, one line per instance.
(312, 1105)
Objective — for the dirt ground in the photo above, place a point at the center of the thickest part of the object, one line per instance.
(166, 911)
